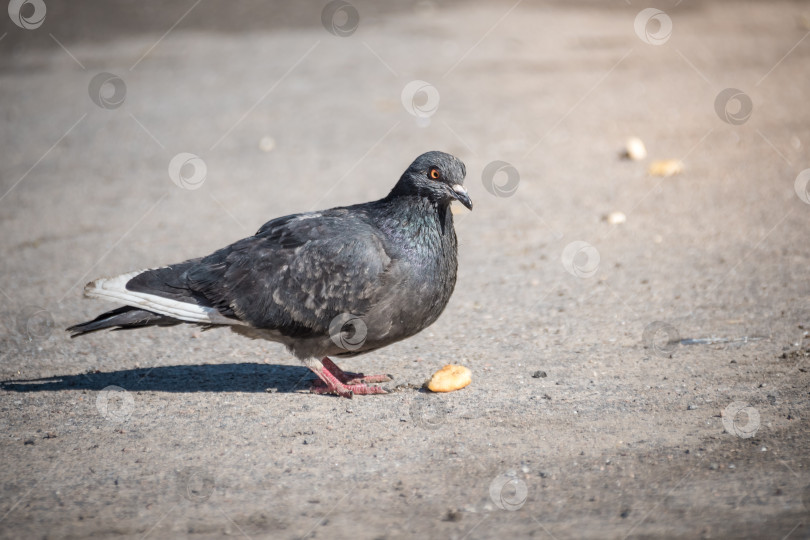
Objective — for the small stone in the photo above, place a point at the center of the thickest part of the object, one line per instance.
(267, 144)
(539, 374)
(615, 218)
(634, 149)
(665, 167)
(691, 407)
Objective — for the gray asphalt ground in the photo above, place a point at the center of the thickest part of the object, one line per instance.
(649, 381)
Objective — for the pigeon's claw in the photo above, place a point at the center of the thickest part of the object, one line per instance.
(345, 390)
(348, 377)
(359, 378)
(319, 387)
(333, 380)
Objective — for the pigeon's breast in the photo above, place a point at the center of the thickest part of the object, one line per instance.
(420, 281)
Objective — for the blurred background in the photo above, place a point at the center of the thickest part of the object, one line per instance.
(640, 175)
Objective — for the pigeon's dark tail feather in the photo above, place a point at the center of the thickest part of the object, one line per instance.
(123, 318)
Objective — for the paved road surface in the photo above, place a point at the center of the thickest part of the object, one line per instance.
(630, 430)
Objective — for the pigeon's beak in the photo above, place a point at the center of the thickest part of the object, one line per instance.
(462, 196)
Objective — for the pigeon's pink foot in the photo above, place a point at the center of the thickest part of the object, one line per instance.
(330, 383)
(347, 377)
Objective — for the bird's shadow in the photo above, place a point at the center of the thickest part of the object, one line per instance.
(246, 377)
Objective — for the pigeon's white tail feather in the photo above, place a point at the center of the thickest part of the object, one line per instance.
(115, 289)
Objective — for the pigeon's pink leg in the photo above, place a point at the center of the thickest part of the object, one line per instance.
(330, 384)
(347, 377)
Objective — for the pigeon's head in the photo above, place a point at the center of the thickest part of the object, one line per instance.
(436, 176)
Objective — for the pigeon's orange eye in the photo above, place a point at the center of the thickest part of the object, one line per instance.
(434, 173)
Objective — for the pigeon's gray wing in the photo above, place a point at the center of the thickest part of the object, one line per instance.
(297, 273)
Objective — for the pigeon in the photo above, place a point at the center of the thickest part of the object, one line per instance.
(338, 282)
